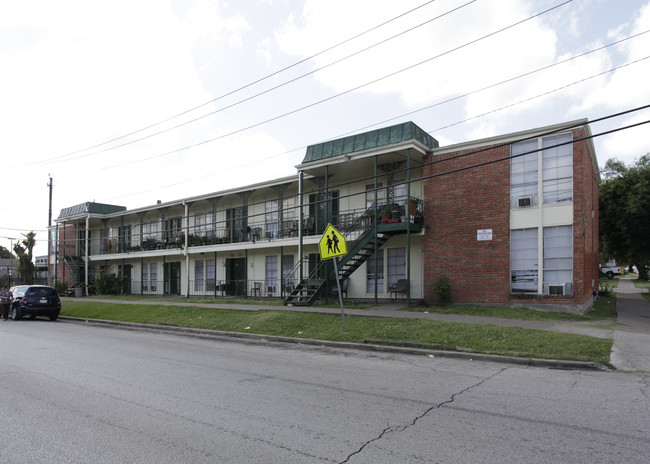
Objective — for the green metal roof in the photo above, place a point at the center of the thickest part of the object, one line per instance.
(367, 140)
(90, 208)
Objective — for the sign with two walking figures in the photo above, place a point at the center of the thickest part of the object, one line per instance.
(332, 244)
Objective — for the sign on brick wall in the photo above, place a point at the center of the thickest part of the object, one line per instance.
(484, 234)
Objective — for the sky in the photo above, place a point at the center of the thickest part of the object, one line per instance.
(129, 102)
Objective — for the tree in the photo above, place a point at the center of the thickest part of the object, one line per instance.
(625, 213)
(23, 250)
(4, 253)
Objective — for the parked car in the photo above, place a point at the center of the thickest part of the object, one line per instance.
(610, 271)
(35, 300)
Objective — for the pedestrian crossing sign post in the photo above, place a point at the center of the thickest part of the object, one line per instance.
(331, 245)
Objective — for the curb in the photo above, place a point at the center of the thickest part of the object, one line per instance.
(262, 339)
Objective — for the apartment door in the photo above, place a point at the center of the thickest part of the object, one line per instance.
(236, 276)
(237, 223)
(173, 278)
(325, 210)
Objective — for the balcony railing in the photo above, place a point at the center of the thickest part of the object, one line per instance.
(345, 221)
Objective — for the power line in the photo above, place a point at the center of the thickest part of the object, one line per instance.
(302, 108)
(271, 89)
(473, 152)
(250, 84)
(439, 103)
(297, 110)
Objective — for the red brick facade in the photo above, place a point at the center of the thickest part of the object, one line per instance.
(469, 190)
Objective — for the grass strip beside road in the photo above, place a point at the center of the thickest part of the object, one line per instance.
(478, 338)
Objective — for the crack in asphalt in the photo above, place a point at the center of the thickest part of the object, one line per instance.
(401, 428)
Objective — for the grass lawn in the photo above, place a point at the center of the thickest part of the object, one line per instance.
(604, 309)
(492, 339)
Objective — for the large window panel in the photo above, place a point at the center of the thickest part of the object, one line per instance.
(558, 255)
(523, 171)
(396, 265)
(524, 261)
(371, 278)
(271, 218)
(271, 272)
(210, 274)
(198, 275)
(557, 169)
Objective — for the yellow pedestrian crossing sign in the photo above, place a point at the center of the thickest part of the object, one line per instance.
(332, 243)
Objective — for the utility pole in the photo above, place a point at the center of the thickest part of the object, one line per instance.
(49, 231)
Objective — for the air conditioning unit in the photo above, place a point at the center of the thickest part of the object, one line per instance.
(558, 289)
(524, 201)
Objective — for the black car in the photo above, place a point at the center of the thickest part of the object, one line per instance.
(35, 300)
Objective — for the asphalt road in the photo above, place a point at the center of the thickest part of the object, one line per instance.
(73, 393)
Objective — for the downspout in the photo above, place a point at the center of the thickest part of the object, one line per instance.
(408, 227)
(301, 216)
(87, 235)
(375, 226)
(56, 253)
(187, 256)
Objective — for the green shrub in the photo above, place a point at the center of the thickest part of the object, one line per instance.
(442, 291)
(110, 284)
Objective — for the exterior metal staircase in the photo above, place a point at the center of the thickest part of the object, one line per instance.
(359, 250)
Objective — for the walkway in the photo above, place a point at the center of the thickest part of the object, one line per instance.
(631, 351)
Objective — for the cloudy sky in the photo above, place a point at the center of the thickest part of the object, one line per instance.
(132, 101)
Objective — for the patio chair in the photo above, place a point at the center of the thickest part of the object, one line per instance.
(398, 288)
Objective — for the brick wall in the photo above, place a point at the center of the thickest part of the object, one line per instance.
(460, 201)
(458, 204)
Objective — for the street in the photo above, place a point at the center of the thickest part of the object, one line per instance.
(78, 393)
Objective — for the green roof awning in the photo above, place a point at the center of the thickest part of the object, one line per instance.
(90, 208)
(368, 140)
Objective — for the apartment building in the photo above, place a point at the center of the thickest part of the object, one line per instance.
(507, 229)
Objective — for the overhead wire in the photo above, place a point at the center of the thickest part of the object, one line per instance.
(194, 178)
(340, 94)
(259, 94)
(254, 82)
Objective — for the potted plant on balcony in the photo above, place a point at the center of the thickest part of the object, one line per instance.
(386, 213)
(149, 243)
(180, 239)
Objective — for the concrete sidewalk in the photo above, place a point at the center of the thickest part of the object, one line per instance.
(631, 350)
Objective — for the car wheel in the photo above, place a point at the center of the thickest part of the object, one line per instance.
(53, 318)
(15, 313)
(610, 275)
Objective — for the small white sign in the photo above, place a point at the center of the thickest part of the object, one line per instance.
(484, 234)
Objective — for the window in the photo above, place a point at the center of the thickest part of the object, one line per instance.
(287, 268)
(145, 278)
(272, 219)
(523, 171)
(198, 275)
(523, 261)
(271, 270)
(396, 264)
(289, 211)
(371, 278)
(557, 168)
(399, 191)
(210, 273)
(150, 230)
(370, 194)
(153, 276)
(172, 229)
(204, 224)
(558, 257)
(556, 165)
